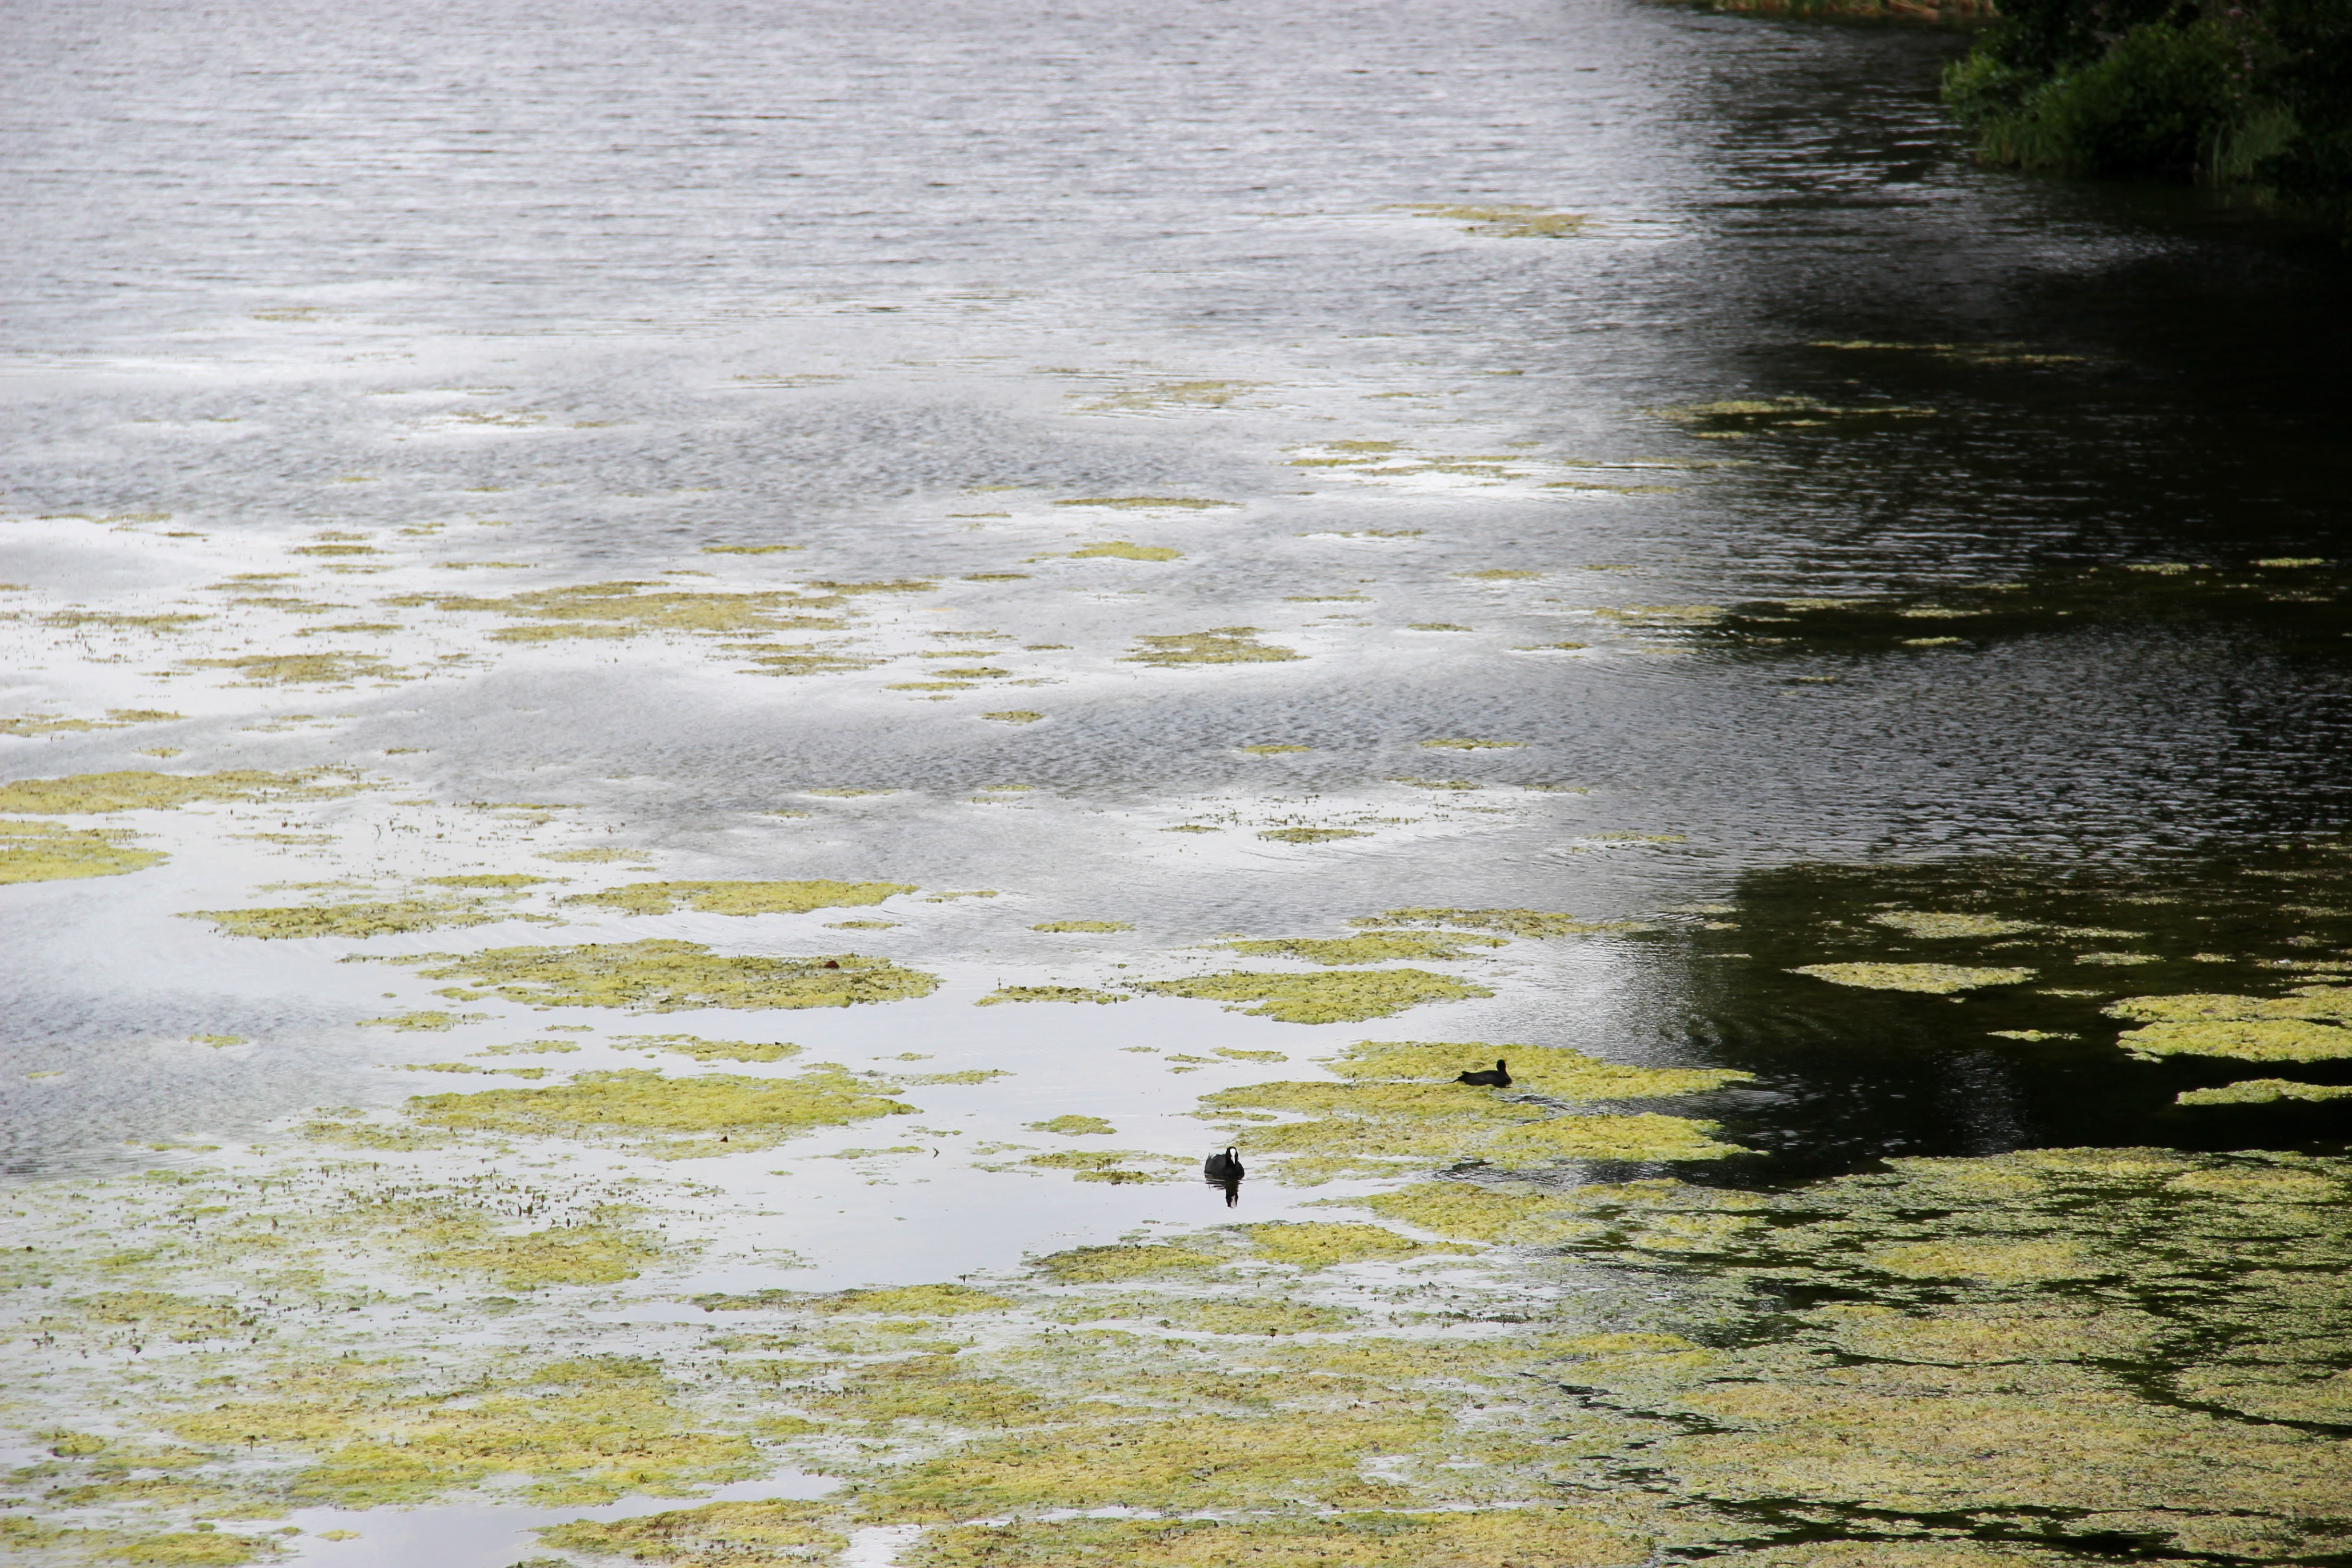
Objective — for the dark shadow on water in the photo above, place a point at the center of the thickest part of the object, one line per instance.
(2025, 1050)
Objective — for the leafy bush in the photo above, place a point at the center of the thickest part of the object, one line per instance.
(2259, 93)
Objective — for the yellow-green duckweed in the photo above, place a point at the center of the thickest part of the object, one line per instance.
(1312, 834)
(1371, 947)
(1514, 1538)
(583, 1431)
(2330, 1001)
(620, 609)
(1095, 926)
(1931, 924)
(383, 917)
(1517, 922)
(1555, 1070)
(716, 1535)
(1934, 979)
(1374, 1129)
(571, 1255)
(1047, 993)
(1096, 1264)
(45, 852)
(1509, 221)
(673, 1116)
(1073, 1126)
(740, 898)
(144, 790)
(667, 976)
(1324, 1245)
(1219, 644)
(2256, 1040)
(1321, 998)
(1120, 549)
(1468, 1210)
(704, 1050)
(2262, 1091)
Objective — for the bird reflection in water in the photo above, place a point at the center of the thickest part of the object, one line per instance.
(1225, 1170)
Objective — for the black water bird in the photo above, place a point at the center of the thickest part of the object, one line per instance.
(1499, 1079)
(1225, 1170)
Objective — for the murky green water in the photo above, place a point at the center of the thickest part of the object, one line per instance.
(694, 695)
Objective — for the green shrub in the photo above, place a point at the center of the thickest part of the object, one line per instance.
(2161, 98)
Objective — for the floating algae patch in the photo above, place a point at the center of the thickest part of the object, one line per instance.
(116, 719)
(1219, 644)
(1467, 1210)
(911, 1301)
(2105, 1342)
(620, 609)
(1372, 947)
(2262, 1091)
(141, 791)
(377, 918)
(582, 1431)
(1498, 1538)
(1557, 1071)
(1517, 922)
(1325, 1243)
(716, 1535)
(2250, 1028)
(1101, 1265)
(1120, 549)
(1231, 1316)
(1047, 993)
(2256, 1040)
(1321, 998)
(704, 1050)
(44, 852)
(429, 1020)
(1465, 743)
(321, 669)
(1312, 834)
(1935, 979)
(1073, 1126)
(569, 1255)
(2331, 1001)
(1116, 1166)
(1388, 1128)
(1509, 221)
(1273, 749)
(672, 1116)
(659, 976)
(798, 658)
(1083, 926)
(1189, 1463)
(1926, 923)
(740, 898)
(204, 1547)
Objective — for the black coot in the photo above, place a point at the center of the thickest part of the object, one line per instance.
(1499, 1079)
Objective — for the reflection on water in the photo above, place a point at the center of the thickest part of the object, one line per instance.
(934, 597)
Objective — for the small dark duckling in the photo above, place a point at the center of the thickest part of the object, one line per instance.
(1499, 1079)
(1222, 1167)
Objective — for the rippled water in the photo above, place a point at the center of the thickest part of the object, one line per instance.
(512, 299)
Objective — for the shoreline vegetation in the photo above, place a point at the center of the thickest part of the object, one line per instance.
(2254, 98)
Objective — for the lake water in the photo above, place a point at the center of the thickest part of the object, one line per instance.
(1608, 460)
